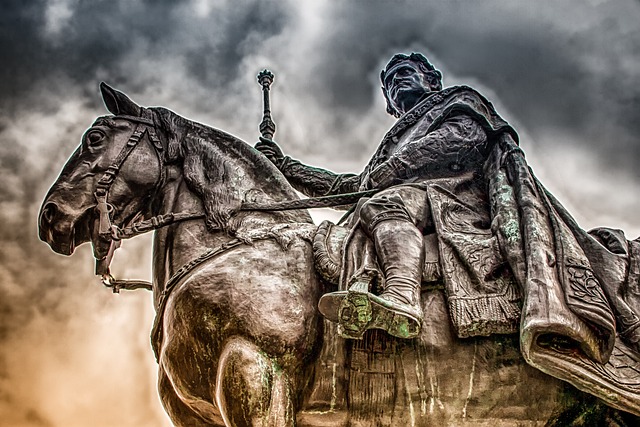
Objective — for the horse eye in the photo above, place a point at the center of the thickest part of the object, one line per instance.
(94, 137)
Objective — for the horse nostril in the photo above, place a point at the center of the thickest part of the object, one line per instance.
(49, 213)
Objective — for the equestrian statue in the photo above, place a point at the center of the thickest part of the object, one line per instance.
(457, 290)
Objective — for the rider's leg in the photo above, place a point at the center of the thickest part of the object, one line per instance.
(400, 250)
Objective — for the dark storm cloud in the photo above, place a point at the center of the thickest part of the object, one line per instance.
(18, 35)
(29, 55)
(93, 38)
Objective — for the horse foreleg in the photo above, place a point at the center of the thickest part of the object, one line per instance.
(251, 388)
(181, 414)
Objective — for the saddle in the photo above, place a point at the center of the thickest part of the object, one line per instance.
(482, 297)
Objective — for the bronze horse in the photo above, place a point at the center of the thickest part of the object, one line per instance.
(240, 329)
(238, 338)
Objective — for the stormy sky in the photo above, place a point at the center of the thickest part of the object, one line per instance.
(565, 74)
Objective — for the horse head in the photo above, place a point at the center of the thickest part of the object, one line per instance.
(118, 174)
(120, 156)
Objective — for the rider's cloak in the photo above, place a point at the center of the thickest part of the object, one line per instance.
(513, 259)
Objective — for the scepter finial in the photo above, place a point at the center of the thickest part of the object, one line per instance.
(265, 78)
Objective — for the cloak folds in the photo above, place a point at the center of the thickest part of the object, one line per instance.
(580, 308)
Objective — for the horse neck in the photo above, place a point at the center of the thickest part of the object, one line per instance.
(244, 169)
(251, 176)
(233, 169)
(178, 244)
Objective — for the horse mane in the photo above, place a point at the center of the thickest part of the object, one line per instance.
(210, 158)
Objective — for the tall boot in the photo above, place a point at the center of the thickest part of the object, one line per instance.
(397, 310)
(400, 250)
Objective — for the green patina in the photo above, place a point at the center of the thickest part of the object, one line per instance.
(403, 330)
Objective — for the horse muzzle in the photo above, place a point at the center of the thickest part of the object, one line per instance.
(62, 231)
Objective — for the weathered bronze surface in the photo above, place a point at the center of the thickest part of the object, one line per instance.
(459, 293)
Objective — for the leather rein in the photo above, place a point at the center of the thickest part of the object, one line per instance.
(114, 234)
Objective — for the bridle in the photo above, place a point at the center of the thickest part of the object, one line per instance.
(106, 229)
(144, 125)
(110, 232)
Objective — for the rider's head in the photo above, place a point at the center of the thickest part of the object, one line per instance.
(406, 80)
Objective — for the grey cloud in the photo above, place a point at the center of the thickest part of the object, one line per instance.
(238, 35)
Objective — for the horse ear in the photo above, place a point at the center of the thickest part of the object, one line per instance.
(117, 102)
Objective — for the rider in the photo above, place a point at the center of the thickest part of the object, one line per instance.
(429, 149)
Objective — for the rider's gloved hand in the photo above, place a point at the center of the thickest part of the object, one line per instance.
(270, 149)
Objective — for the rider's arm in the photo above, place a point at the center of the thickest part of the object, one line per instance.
(314, 181)
(456, 145)
(309, 180)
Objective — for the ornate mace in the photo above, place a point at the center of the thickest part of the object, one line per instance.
(267, 126)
